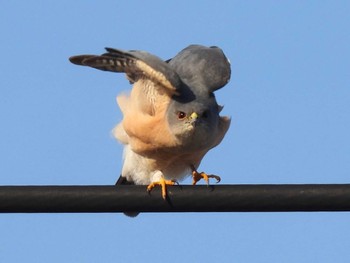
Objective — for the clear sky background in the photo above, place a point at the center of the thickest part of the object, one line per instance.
(289, 98)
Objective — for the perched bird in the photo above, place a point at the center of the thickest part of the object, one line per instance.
(171, 117)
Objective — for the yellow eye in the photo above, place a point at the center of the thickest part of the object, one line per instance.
(181, 115)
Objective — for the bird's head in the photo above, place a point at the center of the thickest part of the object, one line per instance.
(193, 123)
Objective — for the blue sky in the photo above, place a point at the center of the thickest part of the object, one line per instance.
(289, 98)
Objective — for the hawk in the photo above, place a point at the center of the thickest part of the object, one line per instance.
(171, 117)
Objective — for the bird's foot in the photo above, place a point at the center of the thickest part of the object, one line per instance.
(196, 176)
(163, 183)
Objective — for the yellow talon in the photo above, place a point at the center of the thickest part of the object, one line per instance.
(163, 183)
(196, 176)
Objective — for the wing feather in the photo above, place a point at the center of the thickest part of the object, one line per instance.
(136, 65)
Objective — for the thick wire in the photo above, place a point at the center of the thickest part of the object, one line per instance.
(201, 198)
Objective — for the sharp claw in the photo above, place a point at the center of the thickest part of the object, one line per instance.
(197, 176)
(150, 187)
(163, 184)
(217, 178)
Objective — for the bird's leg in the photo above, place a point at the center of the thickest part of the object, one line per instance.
(163, 183)
(196, 176)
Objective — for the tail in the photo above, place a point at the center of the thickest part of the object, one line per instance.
(123, 182)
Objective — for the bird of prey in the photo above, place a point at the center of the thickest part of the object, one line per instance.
(171, 117)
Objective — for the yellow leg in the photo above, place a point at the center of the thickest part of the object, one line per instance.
(196, 176)
(163, 183)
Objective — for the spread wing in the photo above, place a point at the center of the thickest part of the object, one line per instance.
(144, 124)
(204, 69)
(136, 64)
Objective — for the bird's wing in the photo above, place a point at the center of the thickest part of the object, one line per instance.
(204, 69)
(136, 64)
(145, 124)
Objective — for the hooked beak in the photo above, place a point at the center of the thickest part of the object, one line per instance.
(194, 116)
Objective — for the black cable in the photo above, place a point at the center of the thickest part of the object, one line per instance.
(200, 198)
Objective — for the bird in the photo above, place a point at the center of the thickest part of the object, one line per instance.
(171, 118)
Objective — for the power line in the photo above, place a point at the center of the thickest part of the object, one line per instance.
(200, 198)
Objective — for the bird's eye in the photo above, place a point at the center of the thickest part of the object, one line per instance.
(181, 115)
